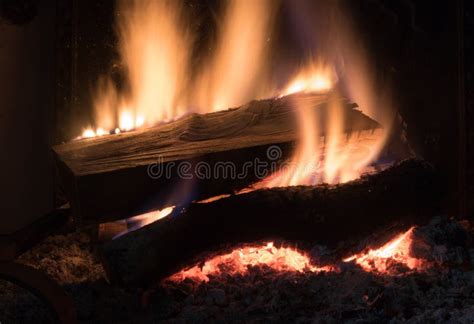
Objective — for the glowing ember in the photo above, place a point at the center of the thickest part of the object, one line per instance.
(239, 260)
(396, 251)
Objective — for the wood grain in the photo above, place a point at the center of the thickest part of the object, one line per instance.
(106, 178)
(408, 192)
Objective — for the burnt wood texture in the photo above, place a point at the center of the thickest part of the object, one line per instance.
(408, 192)
(107, 178)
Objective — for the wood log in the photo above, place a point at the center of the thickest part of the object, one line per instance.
(106, 178)
(407, 192)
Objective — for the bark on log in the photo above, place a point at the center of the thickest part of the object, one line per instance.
(106, 178)
(407, 192)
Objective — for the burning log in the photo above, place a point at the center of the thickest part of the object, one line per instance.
(108, 178)
(407, 192)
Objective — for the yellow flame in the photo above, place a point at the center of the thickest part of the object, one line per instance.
(105, 103)
(126, 120)
(305, 161)
(314, 77)
(87, 133)
(235, 73)
(136, 222)
(155, 46)
(148, 218)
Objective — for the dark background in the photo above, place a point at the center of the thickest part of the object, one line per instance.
(52, 52)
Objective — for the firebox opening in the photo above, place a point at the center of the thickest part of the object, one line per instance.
(238, 160)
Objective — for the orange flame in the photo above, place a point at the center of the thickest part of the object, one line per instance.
(314, 77)
(343, 158)
(155, 46)
(235, 73)
(396, 251)
(137, 222)
(239, 260)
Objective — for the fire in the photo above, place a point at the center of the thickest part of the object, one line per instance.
(239, 260)
(89, 132)
(315, 77)
(137, 222)
(336, 158)
(155, 45)
(235, 73)
(396, 251)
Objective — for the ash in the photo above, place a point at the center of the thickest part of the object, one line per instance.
(443, 292)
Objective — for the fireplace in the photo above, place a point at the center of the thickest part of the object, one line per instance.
(251, 161)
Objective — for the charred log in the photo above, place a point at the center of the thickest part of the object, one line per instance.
(107, 178)
(408, 192)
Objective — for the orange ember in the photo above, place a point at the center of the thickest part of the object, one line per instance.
(239, 260)
(396, 251)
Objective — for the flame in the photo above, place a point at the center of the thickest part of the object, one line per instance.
(396, 251)
(239, 260)
(305, 161)
(155, 46)
(235, 72)
(136, 222)
(314, 77)
(337, 158)
(126, 120)
(105, 101)
(343, 159)
(89, 133)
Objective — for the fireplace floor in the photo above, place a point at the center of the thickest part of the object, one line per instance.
(444, 292)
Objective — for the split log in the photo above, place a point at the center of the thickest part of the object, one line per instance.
(107, 178)
(408, 192)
